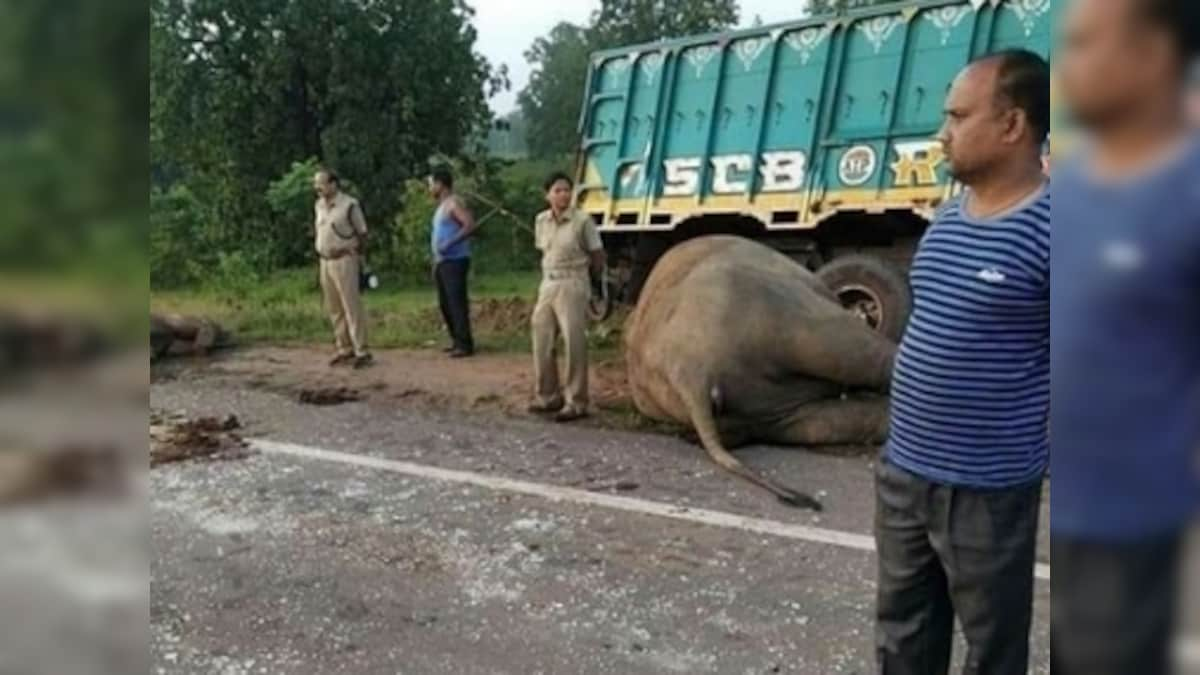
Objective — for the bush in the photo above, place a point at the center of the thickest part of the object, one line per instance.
(290, 198)
(407, 256)
(179, 251)
(191, 245)
(234, 277)
(505, 205)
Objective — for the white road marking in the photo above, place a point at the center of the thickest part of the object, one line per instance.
(556, 493)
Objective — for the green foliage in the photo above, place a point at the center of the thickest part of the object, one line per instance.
(628, 22)
(408, 253)
(286, 307)
(372, 89)
(503, 196)
(552, 100)
(834, 6)
(72, 136)
(290, 200)
(178, 252)
(234, 277)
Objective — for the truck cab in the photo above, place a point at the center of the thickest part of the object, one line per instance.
(813, 136)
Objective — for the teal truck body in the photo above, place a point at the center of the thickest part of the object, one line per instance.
(815, 135)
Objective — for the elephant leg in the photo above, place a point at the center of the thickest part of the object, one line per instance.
(842, 350)
(835, 422)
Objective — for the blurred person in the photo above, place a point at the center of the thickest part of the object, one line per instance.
(1193, 99)
(570, 246)
(959, 485)
(341, 234)
(453, 227)
(1125, 423)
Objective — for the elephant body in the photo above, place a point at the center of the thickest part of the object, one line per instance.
(738, 341)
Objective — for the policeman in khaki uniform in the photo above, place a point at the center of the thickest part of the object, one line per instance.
(341, 233)
(570, 245)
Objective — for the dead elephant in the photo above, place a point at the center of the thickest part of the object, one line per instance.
(178, 335)
(745, 345)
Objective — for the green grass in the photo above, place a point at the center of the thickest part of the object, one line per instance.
(286, 309)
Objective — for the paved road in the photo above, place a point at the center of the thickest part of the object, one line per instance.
(282, 564)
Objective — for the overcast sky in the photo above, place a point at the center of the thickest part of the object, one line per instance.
(507, 28)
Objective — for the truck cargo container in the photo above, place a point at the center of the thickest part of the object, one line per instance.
(814, 136)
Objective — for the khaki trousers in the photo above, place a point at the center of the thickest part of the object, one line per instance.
(561, 310)
(339, 285)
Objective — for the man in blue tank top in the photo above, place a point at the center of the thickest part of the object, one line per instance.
(453, 227)
(959, 486)
(1125, 405)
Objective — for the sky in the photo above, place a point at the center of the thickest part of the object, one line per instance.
(507, 28)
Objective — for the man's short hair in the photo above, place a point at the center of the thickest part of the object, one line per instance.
(1180, 19)
(554, 178)
(1023, 82)
(442, 175)
(331, 176)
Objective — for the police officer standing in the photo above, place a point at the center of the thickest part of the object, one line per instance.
(570, 246)
(341, 237)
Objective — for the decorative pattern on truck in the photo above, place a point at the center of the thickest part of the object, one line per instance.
(880, 29)
(806, 41)
(1029, 12)
(700, 57)
(651, 64)
(748, 51)
(947, 19)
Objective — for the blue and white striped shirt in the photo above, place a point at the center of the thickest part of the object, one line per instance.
(971, 388)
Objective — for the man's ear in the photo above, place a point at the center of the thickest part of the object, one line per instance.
(1016, 124)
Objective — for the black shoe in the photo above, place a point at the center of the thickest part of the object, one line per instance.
(548, 409)
(363, 361)
(461, 353)
(570, 415)
(340, 360)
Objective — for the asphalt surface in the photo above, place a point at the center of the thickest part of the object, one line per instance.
(278, 564)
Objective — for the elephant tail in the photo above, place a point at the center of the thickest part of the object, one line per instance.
(700, 404)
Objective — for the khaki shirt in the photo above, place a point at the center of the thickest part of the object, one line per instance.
(339, 225)
(567, 243)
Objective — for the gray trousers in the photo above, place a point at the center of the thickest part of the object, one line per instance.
(946, 551)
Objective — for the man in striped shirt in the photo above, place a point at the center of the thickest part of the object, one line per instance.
(959, 485)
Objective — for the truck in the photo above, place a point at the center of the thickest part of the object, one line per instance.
(815, 137)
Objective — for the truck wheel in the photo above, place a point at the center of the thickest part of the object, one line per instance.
(871, 289)
(649, 248)
(600, 309)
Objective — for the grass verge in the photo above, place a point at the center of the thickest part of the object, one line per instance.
(286, 309)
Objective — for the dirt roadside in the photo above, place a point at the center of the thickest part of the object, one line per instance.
(499, 383)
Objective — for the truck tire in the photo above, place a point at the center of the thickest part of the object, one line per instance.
(600, 309)
(872, 289)
(647, 251)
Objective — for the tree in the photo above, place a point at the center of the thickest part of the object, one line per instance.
(550, 103)
(832, 6)
(626, 22)
(552, 100)
(72, 135)
(373, 88)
